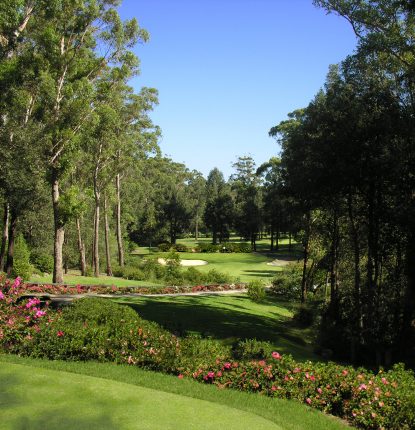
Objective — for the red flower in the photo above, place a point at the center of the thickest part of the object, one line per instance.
(60, 333)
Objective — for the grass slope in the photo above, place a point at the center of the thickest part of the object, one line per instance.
(228, 317)
(39, 394)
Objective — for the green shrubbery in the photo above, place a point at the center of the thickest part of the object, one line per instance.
(287, 284)
(167, 246)
(42, 261)
(21, 262)
(256, 291)
(228, 247)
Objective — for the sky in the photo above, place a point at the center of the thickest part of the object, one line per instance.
(229, 70)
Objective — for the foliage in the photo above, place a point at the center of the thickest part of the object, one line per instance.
(21, 261)
(41, 261)
(256, 291)
(287, 284)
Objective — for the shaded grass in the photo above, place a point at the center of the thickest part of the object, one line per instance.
(228, 318)
(231, 409)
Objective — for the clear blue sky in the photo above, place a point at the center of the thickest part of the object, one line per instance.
(229, 70)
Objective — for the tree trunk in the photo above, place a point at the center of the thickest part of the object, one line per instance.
(306, 249)
(96, 237)
(107, 241)
(197, 227)
(272, 239)
(59, 235)
(10, 247)
(277, 239)
(5, 236)
(81, 248)
(214, 237)
(289, 242)
(118, 217)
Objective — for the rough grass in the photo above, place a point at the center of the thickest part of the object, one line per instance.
(228, 318)
(40, 394)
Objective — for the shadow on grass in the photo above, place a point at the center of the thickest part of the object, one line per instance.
(262, 273)
(190, 315)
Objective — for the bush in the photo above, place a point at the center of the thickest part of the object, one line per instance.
(133, 273)
(236, 247)
(256, 291)
(208, 247)
(164, 247)
(42, 261)
(287, 284)
(250, 349)
(21, 260)
(215, 277)
(194, 276)
(180, 247)
(98, 329)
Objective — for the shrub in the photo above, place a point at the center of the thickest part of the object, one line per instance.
(256, 291)
(215, 277)
(236, 247)
(209, 247)
(133, 273)
(164, 247)
(250, 349)
(42, 261)
(180, 247)
(98, 329)
(21, 261)
(194, 276)
(287, 284)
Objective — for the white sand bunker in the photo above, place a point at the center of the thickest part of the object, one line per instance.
(283, 260)
(186, 263)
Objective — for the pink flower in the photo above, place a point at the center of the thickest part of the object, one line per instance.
(345, 372)
(362, 387)
(60, 333)
(312, 377)
(1, 296)
(261, 363)
(227, 366)
(276, 355)
(180, 376)
(211, 375)
(219, 374)
(381, 404)
(319, 390)
(308, 400)
(385, 381)
(40, 314)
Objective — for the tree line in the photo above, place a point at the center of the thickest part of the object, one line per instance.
(347, 162)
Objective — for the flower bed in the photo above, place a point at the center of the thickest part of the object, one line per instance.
(103, 289)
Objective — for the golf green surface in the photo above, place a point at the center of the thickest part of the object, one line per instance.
(35, 398)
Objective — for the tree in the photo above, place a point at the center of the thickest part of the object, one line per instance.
(219, 206)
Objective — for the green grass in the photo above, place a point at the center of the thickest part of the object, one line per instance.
(72, 279)
(40, 394)
(228, 318)
(242, 267)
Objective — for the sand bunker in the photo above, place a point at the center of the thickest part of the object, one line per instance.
(283, 260)
(186, 263)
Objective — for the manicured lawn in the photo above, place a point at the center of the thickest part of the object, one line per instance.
(38, 394)
(228, 318)
(72, 279)
(242, 267)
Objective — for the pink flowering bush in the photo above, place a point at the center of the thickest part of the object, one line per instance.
(372, 401)
(19, 319)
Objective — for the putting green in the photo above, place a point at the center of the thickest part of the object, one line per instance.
(35, 398)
